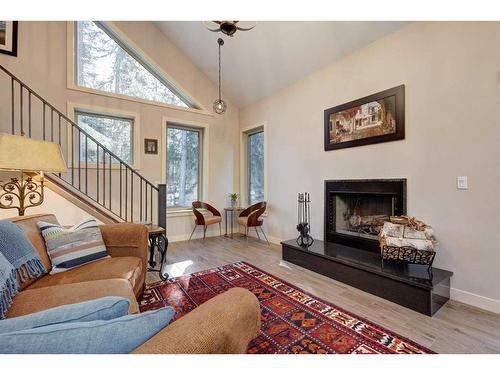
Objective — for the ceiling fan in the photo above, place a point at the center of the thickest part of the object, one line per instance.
(228, 28)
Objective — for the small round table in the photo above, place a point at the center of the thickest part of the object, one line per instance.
(158, 241)
(231, 210)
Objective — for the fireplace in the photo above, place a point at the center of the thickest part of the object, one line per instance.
(355, 210)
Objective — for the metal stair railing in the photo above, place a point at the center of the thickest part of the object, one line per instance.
(102, 177)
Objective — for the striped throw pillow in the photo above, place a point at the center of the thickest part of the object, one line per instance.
(73, 247)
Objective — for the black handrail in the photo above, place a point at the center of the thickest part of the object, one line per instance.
(76, 183)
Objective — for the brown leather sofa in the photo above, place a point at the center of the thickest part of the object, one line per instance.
(225, 324)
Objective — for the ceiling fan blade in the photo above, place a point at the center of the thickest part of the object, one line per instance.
(245, 28)
(210, 27)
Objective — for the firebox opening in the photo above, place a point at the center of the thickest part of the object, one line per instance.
(362, 215)
(355, 210)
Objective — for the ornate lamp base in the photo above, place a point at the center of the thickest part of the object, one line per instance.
(21, 194)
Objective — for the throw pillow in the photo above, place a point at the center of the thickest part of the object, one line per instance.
(105, 308)
(117, 336)
(73, 247)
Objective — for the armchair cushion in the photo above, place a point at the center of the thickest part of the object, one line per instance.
(213, 220)
(117, 336)
(243, 220)
(105, 308)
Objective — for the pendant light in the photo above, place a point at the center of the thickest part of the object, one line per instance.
(220, 105)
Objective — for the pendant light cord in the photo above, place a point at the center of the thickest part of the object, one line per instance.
(220, 42)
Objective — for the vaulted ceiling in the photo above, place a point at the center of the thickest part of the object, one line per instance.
(257, 63)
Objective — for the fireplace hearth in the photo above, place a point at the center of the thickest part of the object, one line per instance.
(355, 210)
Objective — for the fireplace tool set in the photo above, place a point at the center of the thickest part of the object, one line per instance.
(304, 220)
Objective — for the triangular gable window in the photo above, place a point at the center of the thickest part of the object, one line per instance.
(105, 63)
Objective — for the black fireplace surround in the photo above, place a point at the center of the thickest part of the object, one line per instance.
(355, 210)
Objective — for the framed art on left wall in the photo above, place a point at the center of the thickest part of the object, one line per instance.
(8, 37)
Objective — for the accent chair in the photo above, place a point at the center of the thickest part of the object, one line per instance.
(251, 218)
(203, 220)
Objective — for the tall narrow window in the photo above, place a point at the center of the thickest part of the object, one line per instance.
(113, 132)
(105, 63)
(184, 151)
(255, 149)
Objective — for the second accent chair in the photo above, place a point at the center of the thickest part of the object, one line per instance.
(201, 219)
(251, 217)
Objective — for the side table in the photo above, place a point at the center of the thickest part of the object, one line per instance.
(158, 241)
(231, 211)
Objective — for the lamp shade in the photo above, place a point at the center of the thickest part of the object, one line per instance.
(19, 153)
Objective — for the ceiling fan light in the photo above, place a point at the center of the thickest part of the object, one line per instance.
(220, 106)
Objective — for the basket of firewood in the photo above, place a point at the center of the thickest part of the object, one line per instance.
(407, 239)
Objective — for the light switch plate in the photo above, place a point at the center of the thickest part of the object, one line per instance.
(462, 183)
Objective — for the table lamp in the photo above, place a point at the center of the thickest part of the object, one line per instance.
(19, 153)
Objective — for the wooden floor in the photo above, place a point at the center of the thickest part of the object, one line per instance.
(456, 328)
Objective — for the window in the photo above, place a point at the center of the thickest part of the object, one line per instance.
(255, 149)
(105, 63)
(184, 150)
(113, 132)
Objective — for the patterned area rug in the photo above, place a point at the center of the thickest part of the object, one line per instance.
(293, 321)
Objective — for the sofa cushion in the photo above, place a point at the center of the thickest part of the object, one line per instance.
(127, 268)
(73, 247)
(121, 335)
(105, 308)
(37, 299)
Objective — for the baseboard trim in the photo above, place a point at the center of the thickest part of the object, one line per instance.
(274, 240)
(215, 233)
(475, 300)
(196, 236)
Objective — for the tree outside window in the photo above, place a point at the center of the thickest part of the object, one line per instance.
(183, 166)
(105, 64)
(255, 167)
(114, 133)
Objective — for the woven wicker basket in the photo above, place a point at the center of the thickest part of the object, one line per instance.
(407, 254)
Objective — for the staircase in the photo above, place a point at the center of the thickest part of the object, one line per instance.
(106, 186)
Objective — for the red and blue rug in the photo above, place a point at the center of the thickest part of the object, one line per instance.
(293, 321)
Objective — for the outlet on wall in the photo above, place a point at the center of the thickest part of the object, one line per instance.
(462, 183)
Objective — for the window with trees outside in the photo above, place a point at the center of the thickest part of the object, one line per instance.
(184, 152)
(114, 133)
(105, 63)
(255, 149)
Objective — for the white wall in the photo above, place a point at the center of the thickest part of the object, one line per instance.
(42, 64)
(452, 76)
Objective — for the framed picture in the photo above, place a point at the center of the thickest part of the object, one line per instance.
(373, 119)
(150, 146)
(8, 37)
